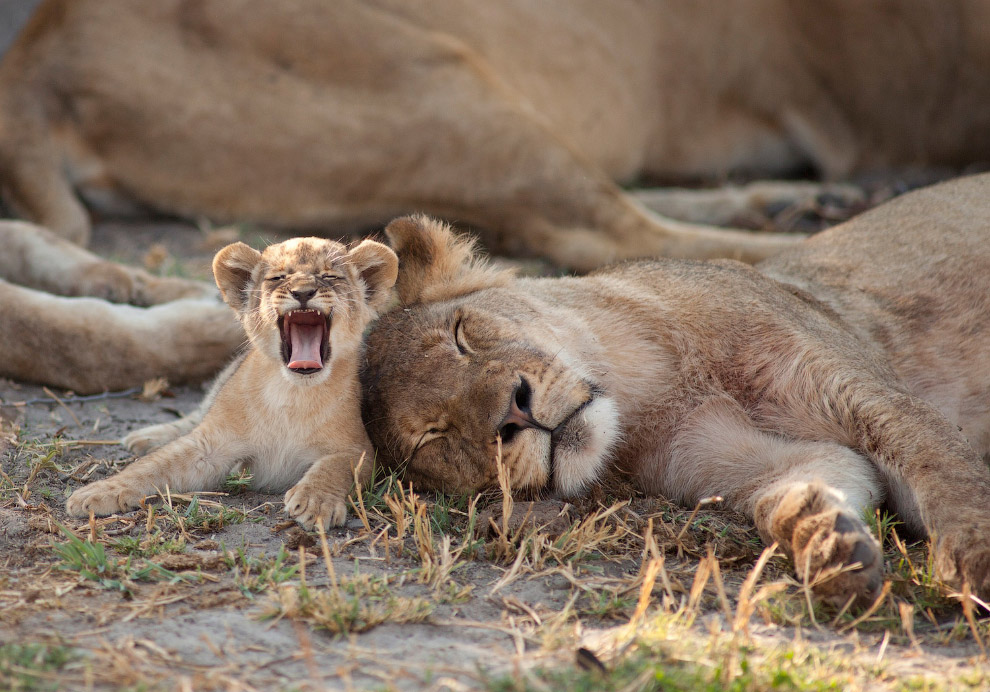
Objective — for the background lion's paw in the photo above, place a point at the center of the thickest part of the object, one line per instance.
(154, 290)
(307, 502)
(102, 498)
(105, 280)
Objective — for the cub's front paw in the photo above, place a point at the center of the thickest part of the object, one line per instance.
(103, 498)
(308, 503)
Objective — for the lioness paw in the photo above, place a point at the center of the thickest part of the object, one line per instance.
(308, 502)
(103, 498)
(839, 559)
(833, 550)
(965, 558)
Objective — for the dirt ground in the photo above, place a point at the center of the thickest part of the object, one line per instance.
(219, 591)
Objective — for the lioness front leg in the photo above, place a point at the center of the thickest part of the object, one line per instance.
(321, 495)
(194, 462)
(808, 497)
(937, 481)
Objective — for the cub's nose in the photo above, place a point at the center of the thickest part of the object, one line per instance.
(303, 294)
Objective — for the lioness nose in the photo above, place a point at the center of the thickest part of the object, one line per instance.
(303, 294)
(520, 415)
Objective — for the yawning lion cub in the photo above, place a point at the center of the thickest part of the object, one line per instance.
(289, 407)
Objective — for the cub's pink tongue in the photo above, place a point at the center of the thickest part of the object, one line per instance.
(304, 340)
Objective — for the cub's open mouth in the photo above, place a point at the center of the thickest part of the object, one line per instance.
(305, 340)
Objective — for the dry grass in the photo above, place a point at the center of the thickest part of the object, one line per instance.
(644, 595)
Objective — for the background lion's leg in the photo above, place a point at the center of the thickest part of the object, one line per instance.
(32, 177)
(90, 345)
(539, 197)
(35, 257)
(807, 496)
(755, 205)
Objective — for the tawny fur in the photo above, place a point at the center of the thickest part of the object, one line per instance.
(286, 428)
(514, 116)
(850, 372)
(60, 329)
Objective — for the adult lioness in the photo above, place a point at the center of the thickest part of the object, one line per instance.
(289, 407)
(514, 116)
(852, 371)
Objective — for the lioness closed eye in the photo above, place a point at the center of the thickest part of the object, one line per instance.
(289, 407)
(850, 371)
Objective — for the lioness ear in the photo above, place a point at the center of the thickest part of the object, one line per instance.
(437, 264)
(232, 269)
(378, 267)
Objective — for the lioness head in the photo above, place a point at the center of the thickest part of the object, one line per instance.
(306, 300)
(466, 364)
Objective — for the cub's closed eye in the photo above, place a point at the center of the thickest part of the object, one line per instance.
(277, 277)
(331, 277)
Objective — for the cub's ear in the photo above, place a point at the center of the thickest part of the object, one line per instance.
(232, 268)
(378, 266)
(437, 264)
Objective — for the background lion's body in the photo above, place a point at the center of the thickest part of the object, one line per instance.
(512, 116)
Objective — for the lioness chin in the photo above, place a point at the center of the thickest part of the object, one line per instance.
(848, 373)
(288, 408)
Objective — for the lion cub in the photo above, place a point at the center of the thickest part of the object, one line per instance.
(289, 407)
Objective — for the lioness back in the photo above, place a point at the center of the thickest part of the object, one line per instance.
(913, 278)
